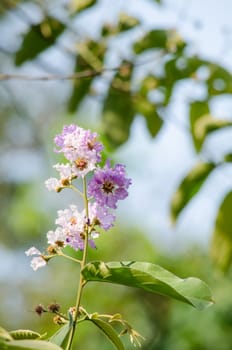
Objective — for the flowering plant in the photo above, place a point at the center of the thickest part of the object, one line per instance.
(101, 189)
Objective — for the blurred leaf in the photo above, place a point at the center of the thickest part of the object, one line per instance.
(61, 336)
(219, 81)
(189, 187)
(24, 334)
(4, 335)
(30, 345)
(92, 55)
(39, 38)
(118, 108)
(149, 111)
(221, 246)
(7, 5)
(202, 123)
(177, 69)
(155, 39)
(198, 109)
(125, 22)
(149, 83)
(167, 39)
(228, 158)
(152, 278)
(109, 332)
(81, 5)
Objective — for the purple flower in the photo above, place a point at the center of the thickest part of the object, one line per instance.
(60, 139)
(79, 146)
(109, 185)
(101, 216)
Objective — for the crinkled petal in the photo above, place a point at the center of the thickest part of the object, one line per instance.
(32, 251)
(37, 262)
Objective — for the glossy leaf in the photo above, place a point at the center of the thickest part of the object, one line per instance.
(189, 187)
(221, 246)
(202, 123)
(90, 58)
(24, 334)
(109, 332)
(118, 109)
(30, 345)
(152, 278)
(39, 38)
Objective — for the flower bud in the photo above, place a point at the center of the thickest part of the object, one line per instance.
(39, 309)
(54, 307)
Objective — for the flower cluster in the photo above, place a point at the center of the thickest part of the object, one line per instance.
(101, 193)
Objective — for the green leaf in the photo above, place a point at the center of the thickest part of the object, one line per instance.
(219, 81)
(179, 68)
(4, 9)
(30, 345)
(155, 39)
(39, 38)
(149, 83)
(90, 58)
(198, 110)
(118, 108)
(221, 246)
(81, 5)
(189, 187)
(228, 158)
(4, 335)
(61, 336)
(150, 113)
(152, 278)
(24, 334)
(202, 123)
(109, 331)
(125, 22)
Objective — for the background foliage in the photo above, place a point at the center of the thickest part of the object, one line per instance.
(52, 68)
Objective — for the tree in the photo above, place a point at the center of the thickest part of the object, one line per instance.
(140, 81)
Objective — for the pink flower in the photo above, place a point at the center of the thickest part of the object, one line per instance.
(77, 143)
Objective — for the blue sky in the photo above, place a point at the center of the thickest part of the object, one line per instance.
(158, 165)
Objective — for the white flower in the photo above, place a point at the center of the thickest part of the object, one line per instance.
(64, 170)
(53, 184)
(56, 236)
(37, 261)
(33, 251)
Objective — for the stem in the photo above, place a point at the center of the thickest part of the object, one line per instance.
(69, 257)
(82, 264)
(77, 190)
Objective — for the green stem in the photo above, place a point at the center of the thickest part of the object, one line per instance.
(77, 190)
(69, 257)
(82, 282)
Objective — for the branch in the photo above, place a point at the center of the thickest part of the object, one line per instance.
(84, 74)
